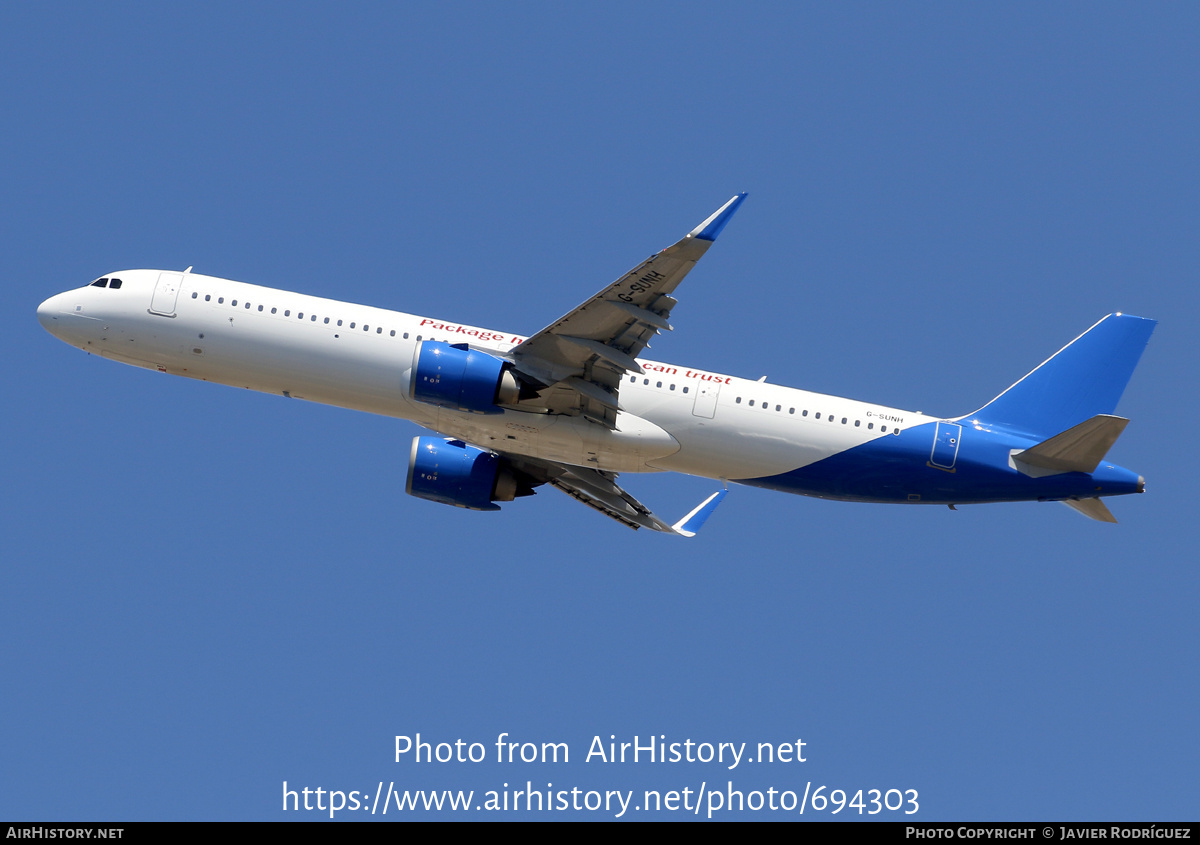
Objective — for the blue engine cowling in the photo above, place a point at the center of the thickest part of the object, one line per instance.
(455, 376)
(453, 473)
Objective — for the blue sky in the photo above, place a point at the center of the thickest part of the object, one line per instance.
(208, 592)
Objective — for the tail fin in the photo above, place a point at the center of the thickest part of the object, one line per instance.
(1084, 378)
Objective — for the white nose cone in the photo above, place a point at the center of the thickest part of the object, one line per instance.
(57, 316)
(48, 312)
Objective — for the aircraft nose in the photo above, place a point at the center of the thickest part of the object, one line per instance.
(46, 313)
(50, 313)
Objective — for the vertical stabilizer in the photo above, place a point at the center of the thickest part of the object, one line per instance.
(1084, 378)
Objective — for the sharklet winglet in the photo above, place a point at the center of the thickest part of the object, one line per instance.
(710, 228)
(690, 524)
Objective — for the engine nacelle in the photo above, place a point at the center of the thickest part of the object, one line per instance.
(453, 473)
(452, 375)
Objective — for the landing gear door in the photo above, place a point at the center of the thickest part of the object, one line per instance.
(945, 446)
(165, 294)
(706, 399)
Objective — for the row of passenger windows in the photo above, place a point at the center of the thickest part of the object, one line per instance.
(817, 415)
(633, 380)
(116, 283)
(766, 407)
(312, 318)
(111, 284)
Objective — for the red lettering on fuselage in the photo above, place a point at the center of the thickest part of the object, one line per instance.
(481, 334)
(709, 377)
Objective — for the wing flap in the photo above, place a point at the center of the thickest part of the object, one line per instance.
(599, 490)
(600, 340)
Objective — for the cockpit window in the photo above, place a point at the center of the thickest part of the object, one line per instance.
(111, 284)
(114, 284)
(100, 283)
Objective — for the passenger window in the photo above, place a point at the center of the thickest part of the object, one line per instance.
(379, 330)
(857, 423)
(405, 334)
(883, 428)
(843, 420)
(738, 400)
(791, 410)
(287, 312)
(778, 407)
(208, 297)
(260, 308)
(870, 426)
(327, 321)
(273, 310)
(233, 304)
(804, 413)
(393, 332)
(194, 295)
(672, 387)
(220, 300)
(352, 326)
(751, 403)
(817, 415)
(685, 390)
(313, 318)
(299, 315)
(247, 306)
(659, 384)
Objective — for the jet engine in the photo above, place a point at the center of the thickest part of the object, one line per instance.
(453, 473)
(452, 375)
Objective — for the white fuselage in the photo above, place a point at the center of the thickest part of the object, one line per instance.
(673, 418)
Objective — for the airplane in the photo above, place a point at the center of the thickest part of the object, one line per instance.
(574, 405)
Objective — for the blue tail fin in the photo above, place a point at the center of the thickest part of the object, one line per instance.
(1084, 378)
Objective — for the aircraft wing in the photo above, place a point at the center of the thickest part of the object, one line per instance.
(599, 490)
(583, 355)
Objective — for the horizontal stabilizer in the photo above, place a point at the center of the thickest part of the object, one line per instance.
(1091, 508)
(1078, 449)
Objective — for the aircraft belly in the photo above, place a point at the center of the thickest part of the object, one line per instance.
(572, 440)
(738, 445)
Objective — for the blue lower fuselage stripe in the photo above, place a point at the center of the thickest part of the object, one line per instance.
(905, 468)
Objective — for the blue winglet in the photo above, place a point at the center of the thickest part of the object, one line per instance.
(710, 228)
(690, 524)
